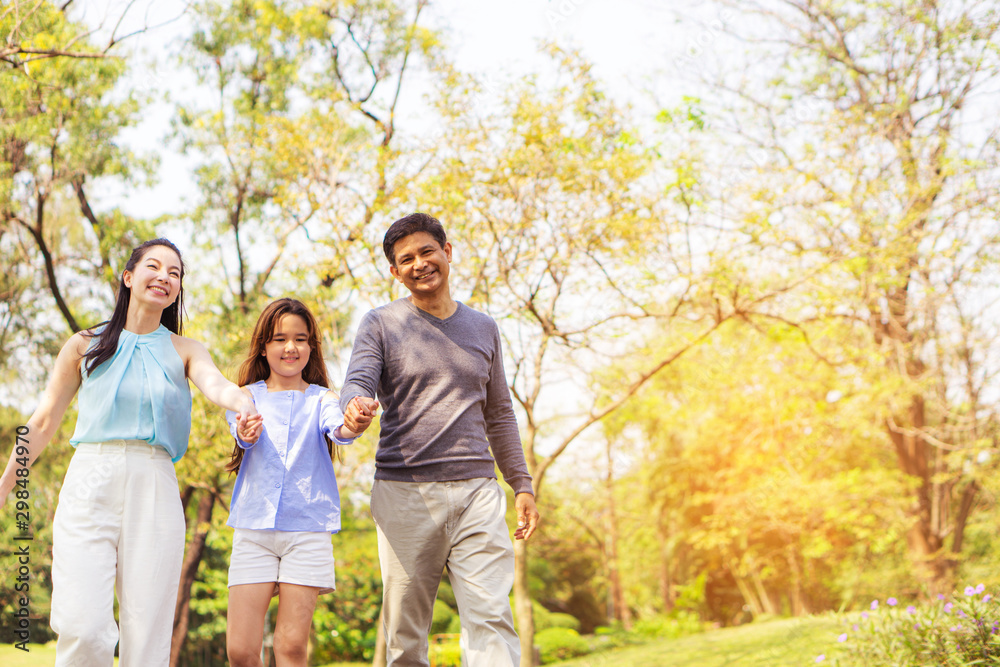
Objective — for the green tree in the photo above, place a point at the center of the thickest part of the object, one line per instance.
(763, 466)
(37, 31)
(871, 160)
(295, 150)
(58, 134)
(571, 233)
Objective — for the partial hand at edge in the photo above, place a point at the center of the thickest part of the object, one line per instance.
(527, 516)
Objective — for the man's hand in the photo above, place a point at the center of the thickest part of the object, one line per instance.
(527, 516)
(359, 414)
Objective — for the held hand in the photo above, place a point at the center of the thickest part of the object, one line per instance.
(247, 408)
(359, 414)
(527, 516)
(249, 429)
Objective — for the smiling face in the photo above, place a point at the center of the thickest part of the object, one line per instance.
(422, 264)
(156, 278)
(287, 352)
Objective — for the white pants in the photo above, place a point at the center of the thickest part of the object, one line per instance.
(119, 528)
(426, 527)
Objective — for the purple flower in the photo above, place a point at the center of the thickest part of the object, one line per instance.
(987, 597)
(961, 614)
(969, 590)
(854, 627)
(864, 615)
(821, 657)
(940, 596)
(842, 638)
(892, 602)
(980, 588)
(874, 605)
(916, 626)
(911, 609)
(947, 608)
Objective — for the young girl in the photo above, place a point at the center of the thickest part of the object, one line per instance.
(119, 525)
(285, 502)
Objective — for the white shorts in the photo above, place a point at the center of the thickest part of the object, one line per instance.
(301, 558)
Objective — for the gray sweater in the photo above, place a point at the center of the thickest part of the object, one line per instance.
(443, 392)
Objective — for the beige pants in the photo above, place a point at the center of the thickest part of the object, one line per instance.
(425, 528)
(119, 528)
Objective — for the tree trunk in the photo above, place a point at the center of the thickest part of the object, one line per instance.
(765, 598)
(666, 566)
(748, 595)
(522, 603)
(798, 601)
(189, 570)
(935, 564)
(621, 610)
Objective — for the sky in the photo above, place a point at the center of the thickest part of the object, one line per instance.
(634, 45)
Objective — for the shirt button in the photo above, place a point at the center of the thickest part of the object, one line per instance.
(277, 485)
(285, 421)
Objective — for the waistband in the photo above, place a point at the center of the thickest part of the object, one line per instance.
(124, 446)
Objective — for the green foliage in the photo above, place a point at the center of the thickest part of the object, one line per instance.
(42, 486)
(446, 652)
(557, 644)
(566, 563)
(345, 624)
(766, 474)
(454, 625)
(442, 617)
(952, 632)
(560, 620)
(675, 625)
(61, 120)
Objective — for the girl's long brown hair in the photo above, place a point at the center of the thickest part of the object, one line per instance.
(255, 367)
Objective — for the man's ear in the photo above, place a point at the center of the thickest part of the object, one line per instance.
(447, 250)
(394, 271)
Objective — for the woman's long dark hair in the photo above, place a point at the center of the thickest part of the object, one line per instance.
(107, 338)
(255, 367)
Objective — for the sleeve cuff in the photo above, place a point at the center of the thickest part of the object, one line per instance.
(231, 418)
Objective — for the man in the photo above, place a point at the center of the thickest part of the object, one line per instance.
(436, 367)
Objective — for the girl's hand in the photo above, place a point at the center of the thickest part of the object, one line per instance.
(359, 414)
(248, 429)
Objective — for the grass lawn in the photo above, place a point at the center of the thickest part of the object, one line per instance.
(770, 644)
(777, 643)
(37, 655)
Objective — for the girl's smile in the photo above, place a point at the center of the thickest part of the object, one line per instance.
(287, 353)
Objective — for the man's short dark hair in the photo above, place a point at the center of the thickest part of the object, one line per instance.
(411, 224)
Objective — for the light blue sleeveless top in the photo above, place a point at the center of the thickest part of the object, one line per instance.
(140, 393)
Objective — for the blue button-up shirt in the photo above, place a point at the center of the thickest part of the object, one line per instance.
(286, 479)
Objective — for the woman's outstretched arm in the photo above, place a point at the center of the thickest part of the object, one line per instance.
(59, 392)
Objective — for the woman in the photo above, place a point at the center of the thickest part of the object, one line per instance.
(119, 521)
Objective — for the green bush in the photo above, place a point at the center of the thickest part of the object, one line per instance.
(964, 630)
(442, 617)
(557, 644)
(454, 625)
(446, 654)
(545, 619)
(678, 624)
(557, 620)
